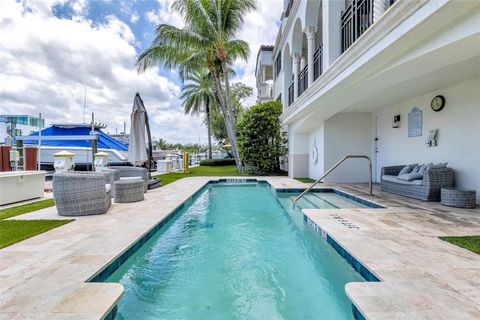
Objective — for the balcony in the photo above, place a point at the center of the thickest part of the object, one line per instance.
(317, 63)
(290, 94)
(265, 92)
(355, 20)
(303, 80)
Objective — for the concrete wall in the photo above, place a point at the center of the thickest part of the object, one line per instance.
(346, 134)
(315, 170)
(458, 139)
(341, 135)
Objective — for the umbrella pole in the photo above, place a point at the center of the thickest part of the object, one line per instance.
(150, 155)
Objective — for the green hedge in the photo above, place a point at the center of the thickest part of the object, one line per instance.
(217, 162)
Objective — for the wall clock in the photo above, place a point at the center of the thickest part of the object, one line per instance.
(438, 103)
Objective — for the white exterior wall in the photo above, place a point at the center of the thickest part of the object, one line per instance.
(458, 138)
(348, 134)
(315, 170)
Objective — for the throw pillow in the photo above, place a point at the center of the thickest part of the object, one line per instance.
(407, 169)
(423, 168)
(441, 165)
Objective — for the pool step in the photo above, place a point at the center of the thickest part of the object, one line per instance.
(339, 201)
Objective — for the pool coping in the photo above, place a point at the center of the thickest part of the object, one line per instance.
(107, 270)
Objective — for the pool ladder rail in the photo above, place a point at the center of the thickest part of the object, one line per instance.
(334, 167)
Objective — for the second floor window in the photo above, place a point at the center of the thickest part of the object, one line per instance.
(278, 64)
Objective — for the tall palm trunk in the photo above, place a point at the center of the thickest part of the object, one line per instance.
(227, 113)
(230, 124)
(209, 128)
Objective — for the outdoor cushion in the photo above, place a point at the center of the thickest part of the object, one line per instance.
(423, 168)
(397, 180)
(108, 187)
(411, 176)
(440, 165)
(407, 169)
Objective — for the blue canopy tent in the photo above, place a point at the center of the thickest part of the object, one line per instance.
(104, 140)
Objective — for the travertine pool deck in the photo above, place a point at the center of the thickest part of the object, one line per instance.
(44, 277)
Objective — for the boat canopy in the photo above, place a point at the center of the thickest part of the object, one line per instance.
(104, 140)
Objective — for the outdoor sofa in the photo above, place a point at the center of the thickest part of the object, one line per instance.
(427, 187)
(79, 194)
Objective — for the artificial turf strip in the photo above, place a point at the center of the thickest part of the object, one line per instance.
(305, 180)
(13, 231)
(25, 208)
(200, 171)
(471, 243)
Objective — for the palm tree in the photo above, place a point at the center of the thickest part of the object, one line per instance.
(198, 96)
(207, 40)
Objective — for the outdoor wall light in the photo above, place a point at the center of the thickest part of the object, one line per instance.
(396, 121)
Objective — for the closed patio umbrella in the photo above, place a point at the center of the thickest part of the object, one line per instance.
(137, 149)
(139, 133)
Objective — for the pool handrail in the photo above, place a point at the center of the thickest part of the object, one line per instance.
(334, 167)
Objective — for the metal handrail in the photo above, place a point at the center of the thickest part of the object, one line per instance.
(335, 166)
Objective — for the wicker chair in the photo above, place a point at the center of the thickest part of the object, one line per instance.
(79, 194)
(133, 172)
(111, 175)
(429, 188)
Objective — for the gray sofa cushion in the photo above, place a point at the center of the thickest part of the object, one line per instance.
(400, 181)
(440, 165)
(410, 176)
(407, 169)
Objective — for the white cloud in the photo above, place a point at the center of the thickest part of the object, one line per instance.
(164, 14)
(134, 17)
(46, 62)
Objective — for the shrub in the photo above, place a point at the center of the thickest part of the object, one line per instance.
(261, 141)
(217, 162)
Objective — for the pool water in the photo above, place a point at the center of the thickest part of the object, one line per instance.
(238, 251)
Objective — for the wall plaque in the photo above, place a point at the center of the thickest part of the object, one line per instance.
(415, 122)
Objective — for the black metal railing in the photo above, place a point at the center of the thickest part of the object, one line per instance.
(303, 80)
(289, 7)
(317, 63)
(290, 94)
(355, 20)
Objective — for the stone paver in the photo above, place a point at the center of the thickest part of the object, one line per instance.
(44, 277)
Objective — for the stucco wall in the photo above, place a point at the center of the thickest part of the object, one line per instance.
(346, 134)
(458, 139)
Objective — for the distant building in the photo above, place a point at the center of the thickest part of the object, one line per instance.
(12, 126)
(264, 74)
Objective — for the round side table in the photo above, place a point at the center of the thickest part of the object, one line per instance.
(128, 190)
(459, 198)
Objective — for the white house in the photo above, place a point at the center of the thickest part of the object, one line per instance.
(345, 70)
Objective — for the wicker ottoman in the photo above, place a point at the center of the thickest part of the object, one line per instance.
(128, 190)
(459, 198)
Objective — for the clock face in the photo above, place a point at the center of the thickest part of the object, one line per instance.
(438, 103)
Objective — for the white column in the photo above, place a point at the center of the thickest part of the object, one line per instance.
(379, 8)
(302, 63)
(331, 31)
(310, 33)
(296, 67)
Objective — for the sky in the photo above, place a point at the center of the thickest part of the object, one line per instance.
(51, 51)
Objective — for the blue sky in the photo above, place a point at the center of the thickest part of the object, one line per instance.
(53, 49)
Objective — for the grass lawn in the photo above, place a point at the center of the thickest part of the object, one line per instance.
(13, 231)
(15, 211)
(199, 171)
(305, 180)
(471, 243)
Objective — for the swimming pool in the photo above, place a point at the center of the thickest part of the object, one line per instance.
(237, 251)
